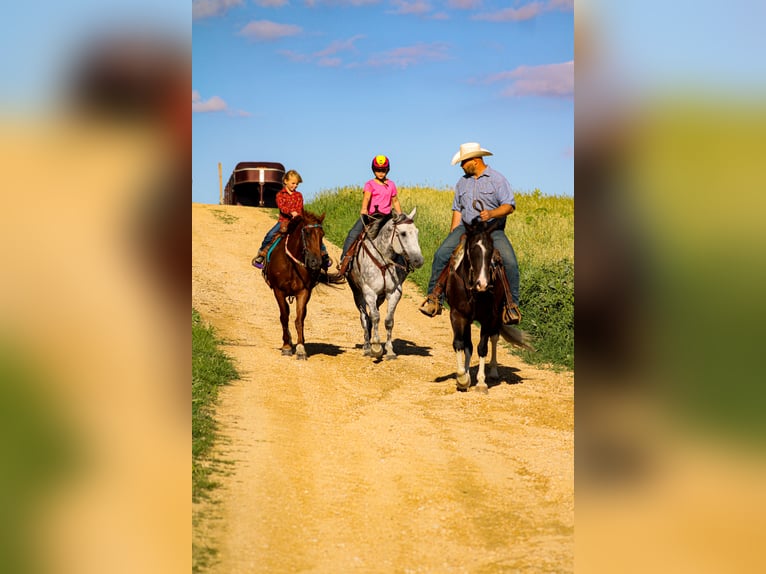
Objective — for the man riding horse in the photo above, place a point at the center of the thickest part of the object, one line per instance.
(484, 193)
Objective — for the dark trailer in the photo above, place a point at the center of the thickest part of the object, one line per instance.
(254, 183)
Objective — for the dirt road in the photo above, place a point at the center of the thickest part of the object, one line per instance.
(343, 464)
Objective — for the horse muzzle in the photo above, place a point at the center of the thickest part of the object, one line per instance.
(312, 262)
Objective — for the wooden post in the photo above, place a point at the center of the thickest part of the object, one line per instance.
(220, 185)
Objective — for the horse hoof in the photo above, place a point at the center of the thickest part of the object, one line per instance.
(377, 350)
(300, 353)
(287, 351)
(463, 381)
(300, 357)
(482, 388)
(391, 357)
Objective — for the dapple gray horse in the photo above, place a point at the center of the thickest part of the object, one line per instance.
(380, 266)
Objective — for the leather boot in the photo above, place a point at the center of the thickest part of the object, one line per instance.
(432, 305)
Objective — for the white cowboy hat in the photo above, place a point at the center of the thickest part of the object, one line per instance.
(469, 150)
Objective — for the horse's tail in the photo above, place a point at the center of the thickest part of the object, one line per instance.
(517, 337)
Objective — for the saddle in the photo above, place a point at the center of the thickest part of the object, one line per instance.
(511, 314)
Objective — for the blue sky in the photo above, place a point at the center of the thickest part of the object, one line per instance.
(323, 86)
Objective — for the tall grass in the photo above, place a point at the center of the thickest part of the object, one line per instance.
(211, 369)
(541, 231)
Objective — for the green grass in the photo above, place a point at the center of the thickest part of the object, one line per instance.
(541, 231)
(211, 369)
(227, 218)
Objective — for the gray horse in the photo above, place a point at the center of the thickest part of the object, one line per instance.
(388, 253)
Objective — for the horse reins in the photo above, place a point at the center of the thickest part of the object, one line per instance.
(303, 243)
(384, 267)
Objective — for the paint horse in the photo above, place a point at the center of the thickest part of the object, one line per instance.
(474, 293)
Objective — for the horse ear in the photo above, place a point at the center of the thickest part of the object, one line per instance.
(412, 213)
(321, 217)
(494, 225)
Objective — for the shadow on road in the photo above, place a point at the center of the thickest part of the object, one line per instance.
(323, 349)
(506, 375)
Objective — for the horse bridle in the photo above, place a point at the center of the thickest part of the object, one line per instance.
(470, 264)
(407, 268)
(303, 243)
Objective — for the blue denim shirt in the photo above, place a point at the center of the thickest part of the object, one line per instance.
(491, 188)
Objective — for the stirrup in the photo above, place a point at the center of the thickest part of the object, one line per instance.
(431, 306)
(511, 314)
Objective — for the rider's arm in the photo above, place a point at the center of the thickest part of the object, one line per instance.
(456, 218)
(395, 204)
(501, 211)
(366, 203)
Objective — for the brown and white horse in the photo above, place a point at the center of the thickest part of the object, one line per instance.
(473, 295)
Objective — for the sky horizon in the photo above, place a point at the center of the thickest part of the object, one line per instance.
(323, 86)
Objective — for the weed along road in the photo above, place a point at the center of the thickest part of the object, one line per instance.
(343, 464)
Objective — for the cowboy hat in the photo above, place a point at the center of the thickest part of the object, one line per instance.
(469, 150)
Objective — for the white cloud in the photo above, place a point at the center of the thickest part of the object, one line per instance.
(265, 30)
(464, 4)
(211, 8)
(550, 80)
(214, 104)
(417, 7)
(339, 46)
(526, 12)
(410, 55)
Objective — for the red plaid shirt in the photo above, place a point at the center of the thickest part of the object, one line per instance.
(289, 202)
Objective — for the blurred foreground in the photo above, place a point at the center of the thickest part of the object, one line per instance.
(94, 305)
(670, 431)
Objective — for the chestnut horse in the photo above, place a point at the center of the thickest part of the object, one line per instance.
(292, 270)
(473, 296)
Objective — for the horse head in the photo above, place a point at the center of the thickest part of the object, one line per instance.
(478, 253)
(405, 239)
(309, 228)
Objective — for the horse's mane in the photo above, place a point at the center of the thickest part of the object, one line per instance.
(307, 218)
(311, 218)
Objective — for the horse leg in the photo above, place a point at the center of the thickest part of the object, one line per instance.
(481, 384)
(461, 343)
(364, 318)
(493, 374)
(393, 301)
(376, 349)
(301, 303)
(284, 316)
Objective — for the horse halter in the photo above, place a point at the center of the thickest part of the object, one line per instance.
(303, 243)
(395, 235)
(472, 271)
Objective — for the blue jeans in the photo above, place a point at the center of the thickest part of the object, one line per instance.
(270, 237)
(351, 237)
(444, 252)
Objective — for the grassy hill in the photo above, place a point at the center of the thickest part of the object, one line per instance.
(541, 231)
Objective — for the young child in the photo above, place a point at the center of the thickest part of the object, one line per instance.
(380, 196)
(290, 204)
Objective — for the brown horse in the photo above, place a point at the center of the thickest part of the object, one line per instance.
(473, 296)
(292, 270)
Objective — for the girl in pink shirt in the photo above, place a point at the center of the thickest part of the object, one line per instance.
(380, 196)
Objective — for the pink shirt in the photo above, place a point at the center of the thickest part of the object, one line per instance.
(381, 195)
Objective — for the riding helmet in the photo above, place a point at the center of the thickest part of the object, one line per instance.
(380, 162)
